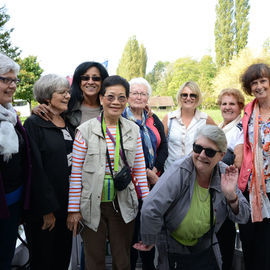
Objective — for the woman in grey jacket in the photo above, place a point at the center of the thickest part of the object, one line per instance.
(192, 200)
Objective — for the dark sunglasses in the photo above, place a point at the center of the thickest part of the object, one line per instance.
(87, 78)
(111, 98)
(185, 95)
(208, 151)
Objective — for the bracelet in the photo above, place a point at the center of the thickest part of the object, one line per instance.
(233, 201)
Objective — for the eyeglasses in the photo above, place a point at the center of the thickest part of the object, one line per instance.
(185, 95)
(136, 94)
(63, 92)
(208, 151)
(87, 78)
(111, 98)
(8, 81)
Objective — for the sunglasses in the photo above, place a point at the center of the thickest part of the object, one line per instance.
(111, 98)
(186, 95)
(208, 151)
(87, 78)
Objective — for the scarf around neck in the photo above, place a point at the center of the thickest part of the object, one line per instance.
(148, 137)
(260, 205)
(9, 142)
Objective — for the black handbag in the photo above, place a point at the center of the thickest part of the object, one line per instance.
(124, 177)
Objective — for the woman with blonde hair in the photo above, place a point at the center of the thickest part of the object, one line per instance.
(181, 125)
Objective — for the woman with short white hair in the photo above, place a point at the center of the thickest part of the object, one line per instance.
(14, 163)
(192, 200)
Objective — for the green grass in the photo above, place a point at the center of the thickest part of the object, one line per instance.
(215, 114)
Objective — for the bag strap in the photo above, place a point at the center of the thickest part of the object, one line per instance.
(211, 215)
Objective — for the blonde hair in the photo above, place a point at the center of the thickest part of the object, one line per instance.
(194, 88)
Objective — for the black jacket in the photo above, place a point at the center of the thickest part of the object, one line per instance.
(50, 175)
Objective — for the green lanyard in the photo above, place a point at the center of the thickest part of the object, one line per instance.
(117, 144)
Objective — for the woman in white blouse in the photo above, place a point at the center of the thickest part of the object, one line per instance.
(181, 125)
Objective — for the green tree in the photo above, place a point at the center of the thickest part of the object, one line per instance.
(224, 32)
(208, 71)
(5, 43)
(143, 61)
(133, 61)
(30, 72)
(241, 24)
(157, 74)
(231, 29)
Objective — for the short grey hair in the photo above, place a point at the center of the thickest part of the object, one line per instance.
(215, 134)
(47, 85)
(194, 88)
(142, 81)
(7, 65)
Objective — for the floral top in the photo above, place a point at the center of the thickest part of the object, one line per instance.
(264, 129)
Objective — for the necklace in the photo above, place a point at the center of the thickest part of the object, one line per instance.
(199, 193)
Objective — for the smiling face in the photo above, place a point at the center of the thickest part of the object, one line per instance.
(7, 90)
(114, 101)
(230, 108)
(138, 96)
(260, 88)
(89, 87)
(59, 100)
(187, 100)
(201, 161)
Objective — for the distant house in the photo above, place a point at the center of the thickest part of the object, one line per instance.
(163, 103)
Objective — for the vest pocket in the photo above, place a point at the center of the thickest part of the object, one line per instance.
(86, 208)
(91, 162)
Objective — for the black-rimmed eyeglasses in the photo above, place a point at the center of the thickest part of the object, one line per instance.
(9, 81)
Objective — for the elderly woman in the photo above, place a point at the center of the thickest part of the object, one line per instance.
(103, 147)
(14, 163)
(254, 178)
(181, 125)
(51, 148)
(84, 102)
(155, 151)
(231, 102)
(193, 199)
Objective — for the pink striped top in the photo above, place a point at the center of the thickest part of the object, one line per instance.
(78, 157)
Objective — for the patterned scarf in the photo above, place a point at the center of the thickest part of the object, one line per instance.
(9, 142)
(260, 205)
(149, 140)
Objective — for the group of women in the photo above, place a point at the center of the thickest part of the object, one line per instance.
(61, 173)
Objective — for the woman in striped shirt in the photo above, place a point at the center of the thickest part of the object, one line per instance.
(93, 199)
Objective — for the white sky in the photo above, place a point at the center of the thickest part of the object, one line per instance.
(64, 33)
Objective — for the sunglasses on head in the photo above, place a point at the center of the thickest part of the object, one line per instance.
(87, 78)
(186, 95)
(208, 151)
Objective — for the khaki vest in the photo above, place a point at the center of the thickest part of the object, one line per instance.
(94, 170)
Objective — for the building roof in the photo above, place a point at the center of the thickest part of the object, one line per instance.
(159, 101)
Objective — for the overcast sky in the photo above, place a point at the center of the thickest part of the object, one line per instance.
(65, 33)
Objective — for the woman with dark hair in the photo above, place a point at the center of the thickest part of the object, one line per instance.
(254, 178)
(84, 102)
(102, 148)
(14, 163)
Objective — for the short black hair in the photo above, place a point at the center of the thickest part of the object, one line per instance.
(76, 92)
(114, 80)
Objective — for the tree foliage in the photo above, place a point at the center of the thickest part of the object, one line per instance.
(30, 72)
(230, 76)
(224, 32)
(133, 61)
(231, 29)
(241, 24)
(5, 43)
